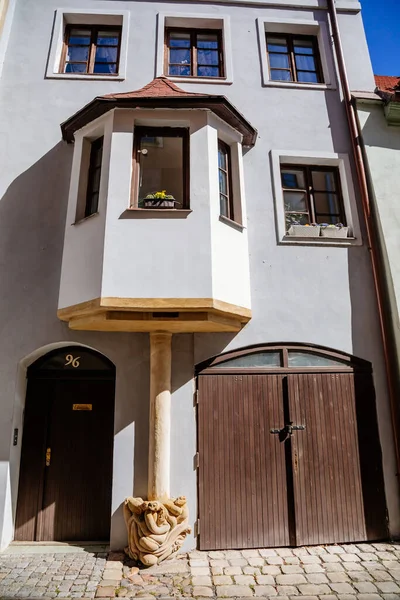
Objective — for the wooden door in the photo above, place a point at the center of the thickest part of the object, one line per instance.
(69, 498)
(328, 498)
(242, 471)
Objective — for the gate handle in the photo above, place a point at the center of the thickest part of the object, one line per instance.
(288, 429)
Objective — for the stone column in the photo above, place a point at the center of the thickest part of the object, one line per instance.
(160, 416)
(157, 527)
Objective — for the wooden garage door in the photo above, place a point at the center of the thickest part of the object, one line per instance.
(262, 483)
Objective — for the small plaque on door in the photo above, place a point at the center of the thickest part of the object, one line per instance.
(81, 407)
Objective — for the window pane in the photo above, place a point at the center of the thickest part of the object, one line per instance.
(305, 63)
(324, 180)
(77, 54)
(279, 61)
(179, 70)
(79, 36)
(96, 180)
(296, 219)
(207, 41)
(326, 203)
(276, 45)
(179, 40)
(259, 359)
(179, 56)
(207, 57)
(108, 38)
(222, 158)
(308, 359)
(305, 77)
(223, 184)
(295, 201)
(303, 46)
(75, 68)
(161, 167)
(329, 219)
(293, 179)
(280, 75)
(208, 71)
(104, 54)
(105, 68)
(223, 206)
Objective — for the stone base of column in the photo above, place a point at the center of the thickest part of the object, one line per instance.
(156, 530)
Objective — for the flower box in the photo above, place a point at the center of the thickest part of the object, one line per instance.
(334, 232)
(159, 203)
(304, 230)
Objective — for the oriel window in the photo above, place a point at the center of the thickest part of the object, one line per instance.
(94, 176)
(312, 195)
(91, 50)
(194, 53)
(293, 58)
(225, 179)
(161, 167)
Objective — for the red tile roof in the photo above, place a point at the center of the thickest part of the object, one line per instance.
(161, 93)
(161, 87)
(388, 86)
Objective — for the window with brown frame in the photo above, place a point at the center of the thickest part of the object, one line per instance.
(160, 167)
(225, 180)
(293, 58)
(312, 195)
(94, 175)
(194, 53)
(91, 50)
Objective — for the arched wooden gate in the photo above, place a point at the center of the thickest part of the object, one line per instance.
(65, 479)
(289, 452)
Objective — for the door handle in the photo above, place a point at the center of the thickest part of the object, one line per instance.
(48, 457)
(287, 430)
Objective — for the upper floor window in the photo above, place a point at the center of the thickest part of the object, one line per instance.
(312, 195)
(91, 50)
(293, 58)
(161, 167)
(93, 181)
(194, 53)
(225, 180)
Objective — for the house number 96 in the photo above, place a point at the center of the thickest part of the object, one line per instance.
(74, 362)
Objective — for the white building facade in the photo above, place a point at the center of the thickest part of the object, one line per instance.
(217, 341)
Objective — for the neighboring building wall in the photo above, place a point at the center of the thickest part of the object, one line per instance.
(299, 293)
(382, 149)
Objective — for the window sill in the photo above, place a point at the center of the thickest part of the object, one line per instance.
(85, 218)
(299, 86)
(216, 80)
(319, 241)
(156, 213)
(85, 76)
(233, 224)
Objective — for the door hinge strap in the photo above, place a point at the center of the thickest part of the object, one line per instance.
(48, 457)
(196, 460)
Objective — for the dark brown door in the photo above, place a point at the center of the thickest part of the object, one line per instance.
(242, 472)
(262, 484)
(66, 495)
(328, 499)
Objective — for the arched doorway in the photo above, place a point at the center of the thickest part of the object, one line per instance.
(289, 452)
(65, 478)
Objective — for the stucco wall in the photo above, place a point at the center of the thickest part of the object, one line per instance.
(321, 295)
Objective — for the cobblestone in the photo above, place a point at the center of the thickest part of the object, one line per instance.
(340, 572)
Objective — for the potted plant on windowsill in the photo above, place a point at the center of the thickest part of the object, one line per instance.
(337, 230)
(158, 200)
(308, 230)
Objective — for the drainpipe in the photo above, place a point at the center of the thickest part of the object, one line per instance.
(366, 206)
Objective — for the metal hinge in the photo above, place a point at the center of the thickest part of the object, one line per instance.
(196, 460)
(48, 457)
(197, 528)
(196, 398)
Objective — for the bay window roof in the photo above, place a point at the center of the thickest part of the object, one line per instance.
(161, 93)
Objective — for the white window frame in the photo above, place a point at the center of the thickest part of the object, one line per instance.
(68, 16)
(195, 21)
(310, 27)
(328, 159)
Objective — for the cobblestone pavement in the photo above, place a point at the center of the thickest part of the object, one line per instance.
(345, 572)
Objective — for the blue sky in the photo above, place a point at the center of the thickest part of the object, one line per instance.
(382, 24)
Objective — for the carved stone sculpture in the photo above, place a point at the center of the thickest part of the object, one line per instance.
(156, 530)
